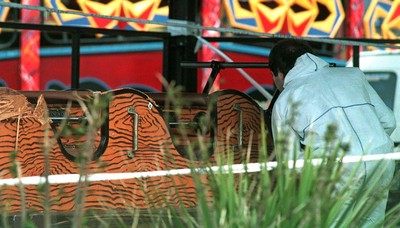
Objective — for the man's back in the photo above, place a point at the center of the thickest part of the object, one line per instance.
(338, 96)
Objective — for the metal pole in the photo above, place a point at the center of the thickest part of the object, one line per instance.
(75, 61)
(356, 56)
(224, 64)
(181, 47)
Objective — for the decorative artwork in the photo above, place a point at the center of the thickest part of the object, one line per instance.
(3, 12)
(295, 17)
(154, 10)
(391, 24)
(374, 17)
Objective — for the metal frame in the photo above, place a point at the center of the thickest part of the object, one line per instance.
(76, 38)
(216, 66)
(177, 49)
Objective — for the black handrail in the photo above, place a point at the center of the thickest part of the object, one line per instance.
(216, 66)
(82, 30)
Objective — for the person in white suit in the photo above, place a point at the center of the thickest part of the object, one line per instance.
(314, 96)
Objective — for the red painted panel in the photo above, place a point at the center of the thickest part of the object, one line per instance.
(115, 70)
(126, 69)
(9, 73)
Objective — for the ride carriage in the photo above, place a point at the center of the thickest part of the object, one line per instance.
(66, 133)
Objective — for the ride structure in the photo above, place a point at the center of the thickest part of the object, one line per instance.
(129, 131)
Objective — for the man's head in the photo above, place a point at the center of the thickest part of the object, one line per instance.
(283, 56)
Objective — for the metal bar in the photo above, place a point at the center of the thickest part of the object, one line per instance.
(180, 47)
(88, 30)
(75, 62)
(132, 111)
(68, 119)
(225, 64)
(242, 39)
(165, 61)
(191, 123)
(255, 39)
(356, 56)
(230, 65)
(216, 67)
(82, 30)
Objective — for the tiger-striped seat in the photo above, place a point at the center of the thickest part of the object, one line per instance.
(138, 138)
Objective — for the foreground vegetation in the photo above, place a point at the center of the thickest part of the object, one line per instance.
(279, 196)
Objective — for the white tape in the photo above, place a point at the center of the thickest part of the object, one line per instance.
(182, 30)
(236, 168)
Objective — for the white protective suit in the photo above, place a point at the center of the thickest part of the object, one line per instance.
(341, 96)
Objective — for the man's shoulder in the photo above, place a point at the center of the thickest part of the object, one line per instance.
(346, 70)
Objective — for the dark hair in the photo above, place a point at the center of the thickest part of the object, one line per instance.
(284, 54)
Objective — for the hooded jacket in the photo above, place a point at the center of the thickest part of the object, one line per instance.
(316, 96)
